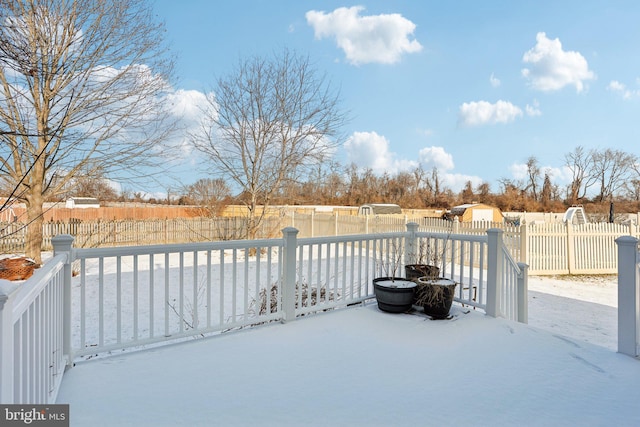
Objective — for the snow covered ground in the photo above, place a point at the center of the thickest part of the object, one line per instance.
(581, 307)
(361, 366)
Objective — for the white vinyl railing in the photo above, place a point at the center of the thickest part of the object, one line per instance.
(628, 296)
(32, 350)
(138, 296)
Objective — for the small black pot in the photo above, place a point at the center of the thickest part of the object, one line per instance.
(394, 294)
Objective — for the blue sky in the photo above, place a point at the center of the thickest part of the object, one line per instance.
(472, 88)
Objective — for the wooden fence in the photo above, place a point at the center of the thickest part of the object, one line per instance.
(548, 248)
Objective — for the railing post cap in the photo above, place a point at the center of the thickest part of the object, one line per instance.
(495, 231)
(626, 241)
(62, 239)
(290, 230)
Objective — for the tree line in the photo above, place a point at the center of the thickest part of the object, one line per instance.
(598, 177)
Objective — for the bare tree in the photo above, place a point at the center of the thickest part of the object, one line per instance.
(484, 193)
(79, 86)
(611, 169)
(533, 175)
(271, 120)
(92, 184)
(579, 163)
(467, 195)
(547, 192)
(209, 194)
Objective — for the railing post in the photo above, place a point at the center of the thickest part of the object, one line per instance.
(290, 236)
(523, 293)
(63, 244)
(412, 243)
(494, 271)
(6, 342)
(628, 304)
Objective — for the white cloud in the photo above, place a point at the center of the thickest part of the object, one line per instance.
(533, 110)
(552, 68)
(188, 108)
(188, 104)
(495, 82)
(456, 181)
(483, 112)
(616, 86)
(559, 175)
(370, 150)
(431, 157)
(621, 88)
(518, 170)
(380, 38)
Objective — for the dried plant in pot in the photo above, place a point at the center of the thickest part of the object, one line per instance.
(428, 259)
(435, 295)
(394, 294)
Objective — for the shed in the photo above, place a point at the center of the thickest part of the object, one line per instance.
(379, 209)
(82, 202)
(476, 212)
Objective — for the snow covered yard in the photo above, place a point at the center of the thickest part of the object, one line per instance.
(360, 366)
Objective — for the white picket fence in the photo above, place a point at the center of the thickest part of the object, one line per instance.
(547, 248)
(137, 296)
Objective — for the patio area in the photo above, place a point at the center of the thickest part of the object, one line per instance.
(360, 366)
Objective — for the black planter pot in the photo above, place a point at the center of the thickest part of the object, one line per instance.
(394, 294)
(436, 296)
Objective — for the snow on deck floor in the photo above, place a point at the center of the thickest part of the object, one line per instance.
(362, 367)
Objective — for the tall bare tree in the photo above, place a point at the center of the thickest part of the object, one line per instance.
(533, 177)
(579, 163)
(79, 86)
(611, 169)
(272, 118)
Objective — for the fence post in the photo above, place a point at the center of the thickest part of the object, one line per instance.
(571, 250)
(523, 293)
(290, 236)
(628, 305)
(63, 244)
(524, 242)
(412, 243)
(494, 271)
(6, 342)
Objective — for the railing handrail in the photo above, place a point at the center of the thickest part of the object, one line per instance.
(173, 248)
(31, 288)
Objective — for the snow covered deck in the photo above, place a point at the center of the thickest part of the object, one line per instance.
(360, 366)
